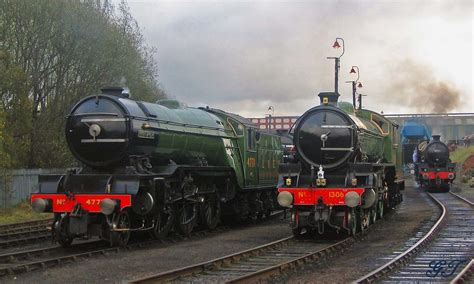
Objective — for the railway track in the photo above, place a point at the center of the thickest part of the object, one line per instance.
(465, 275)
(24, 226)
(442, 254)
(41, 258)
(256, 264)
(25, 233)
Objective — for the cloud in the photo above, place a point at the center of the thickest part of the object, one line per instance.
(244, 56)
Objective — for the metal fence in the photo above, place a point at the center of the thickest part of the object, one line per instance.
(17, 185)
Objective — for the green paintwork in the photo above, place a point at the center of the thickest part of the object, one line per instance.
(390, 152)
(378, 136)
(346, 107)
(257, 152)
(222, 139)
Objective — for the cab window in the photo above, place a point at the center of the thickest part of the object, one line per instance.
(251, 138)
(381, 123)
(238, 128)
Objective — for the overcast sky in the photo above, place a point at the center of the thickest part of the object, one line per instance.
(244, 56)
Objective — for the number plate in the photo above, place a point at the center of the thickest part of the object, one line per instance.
(146, 134)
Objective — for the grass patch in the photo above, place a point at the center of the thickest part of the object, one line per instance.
(21, 213)
(461, 154)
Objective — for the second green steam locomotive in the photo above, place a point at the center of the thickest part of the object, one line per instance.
(345, 173)
(155, 167)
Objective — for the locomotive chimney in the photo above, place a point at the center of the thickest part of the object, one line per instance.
(328, 98)
(436, 137)
(115, 91)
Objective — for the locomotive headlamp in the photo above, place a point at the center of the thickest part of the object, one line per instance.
(352, 199)
(285, 199)
(42, 205)
(288, 181)
(354, 182)
(107, 206)
(368, 198)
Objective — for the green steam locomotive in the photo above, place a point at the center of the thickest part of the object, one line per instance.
(345, 173)
(157, 166)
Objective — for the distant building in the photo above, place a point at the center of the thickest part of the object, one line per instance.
(274, 122)
(452, 127)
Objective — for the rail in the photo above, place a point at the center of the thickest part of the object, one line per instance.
(215, 263)
(28, 260)
(403, 257)
(16, 226)
(275, 251)
(465, 274)
(406, 257)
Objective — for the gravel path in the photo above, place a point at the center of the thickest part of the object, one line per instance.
(133, 264)
(387, 236)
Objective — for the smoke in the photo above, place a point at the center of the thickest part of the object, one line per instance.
(244, 56)
(415, 83)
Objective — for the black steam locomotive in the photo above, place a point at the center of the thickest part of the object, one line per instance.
(435, 172)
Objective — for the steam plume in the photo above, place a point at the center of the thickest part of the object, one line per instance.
(414, 83)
